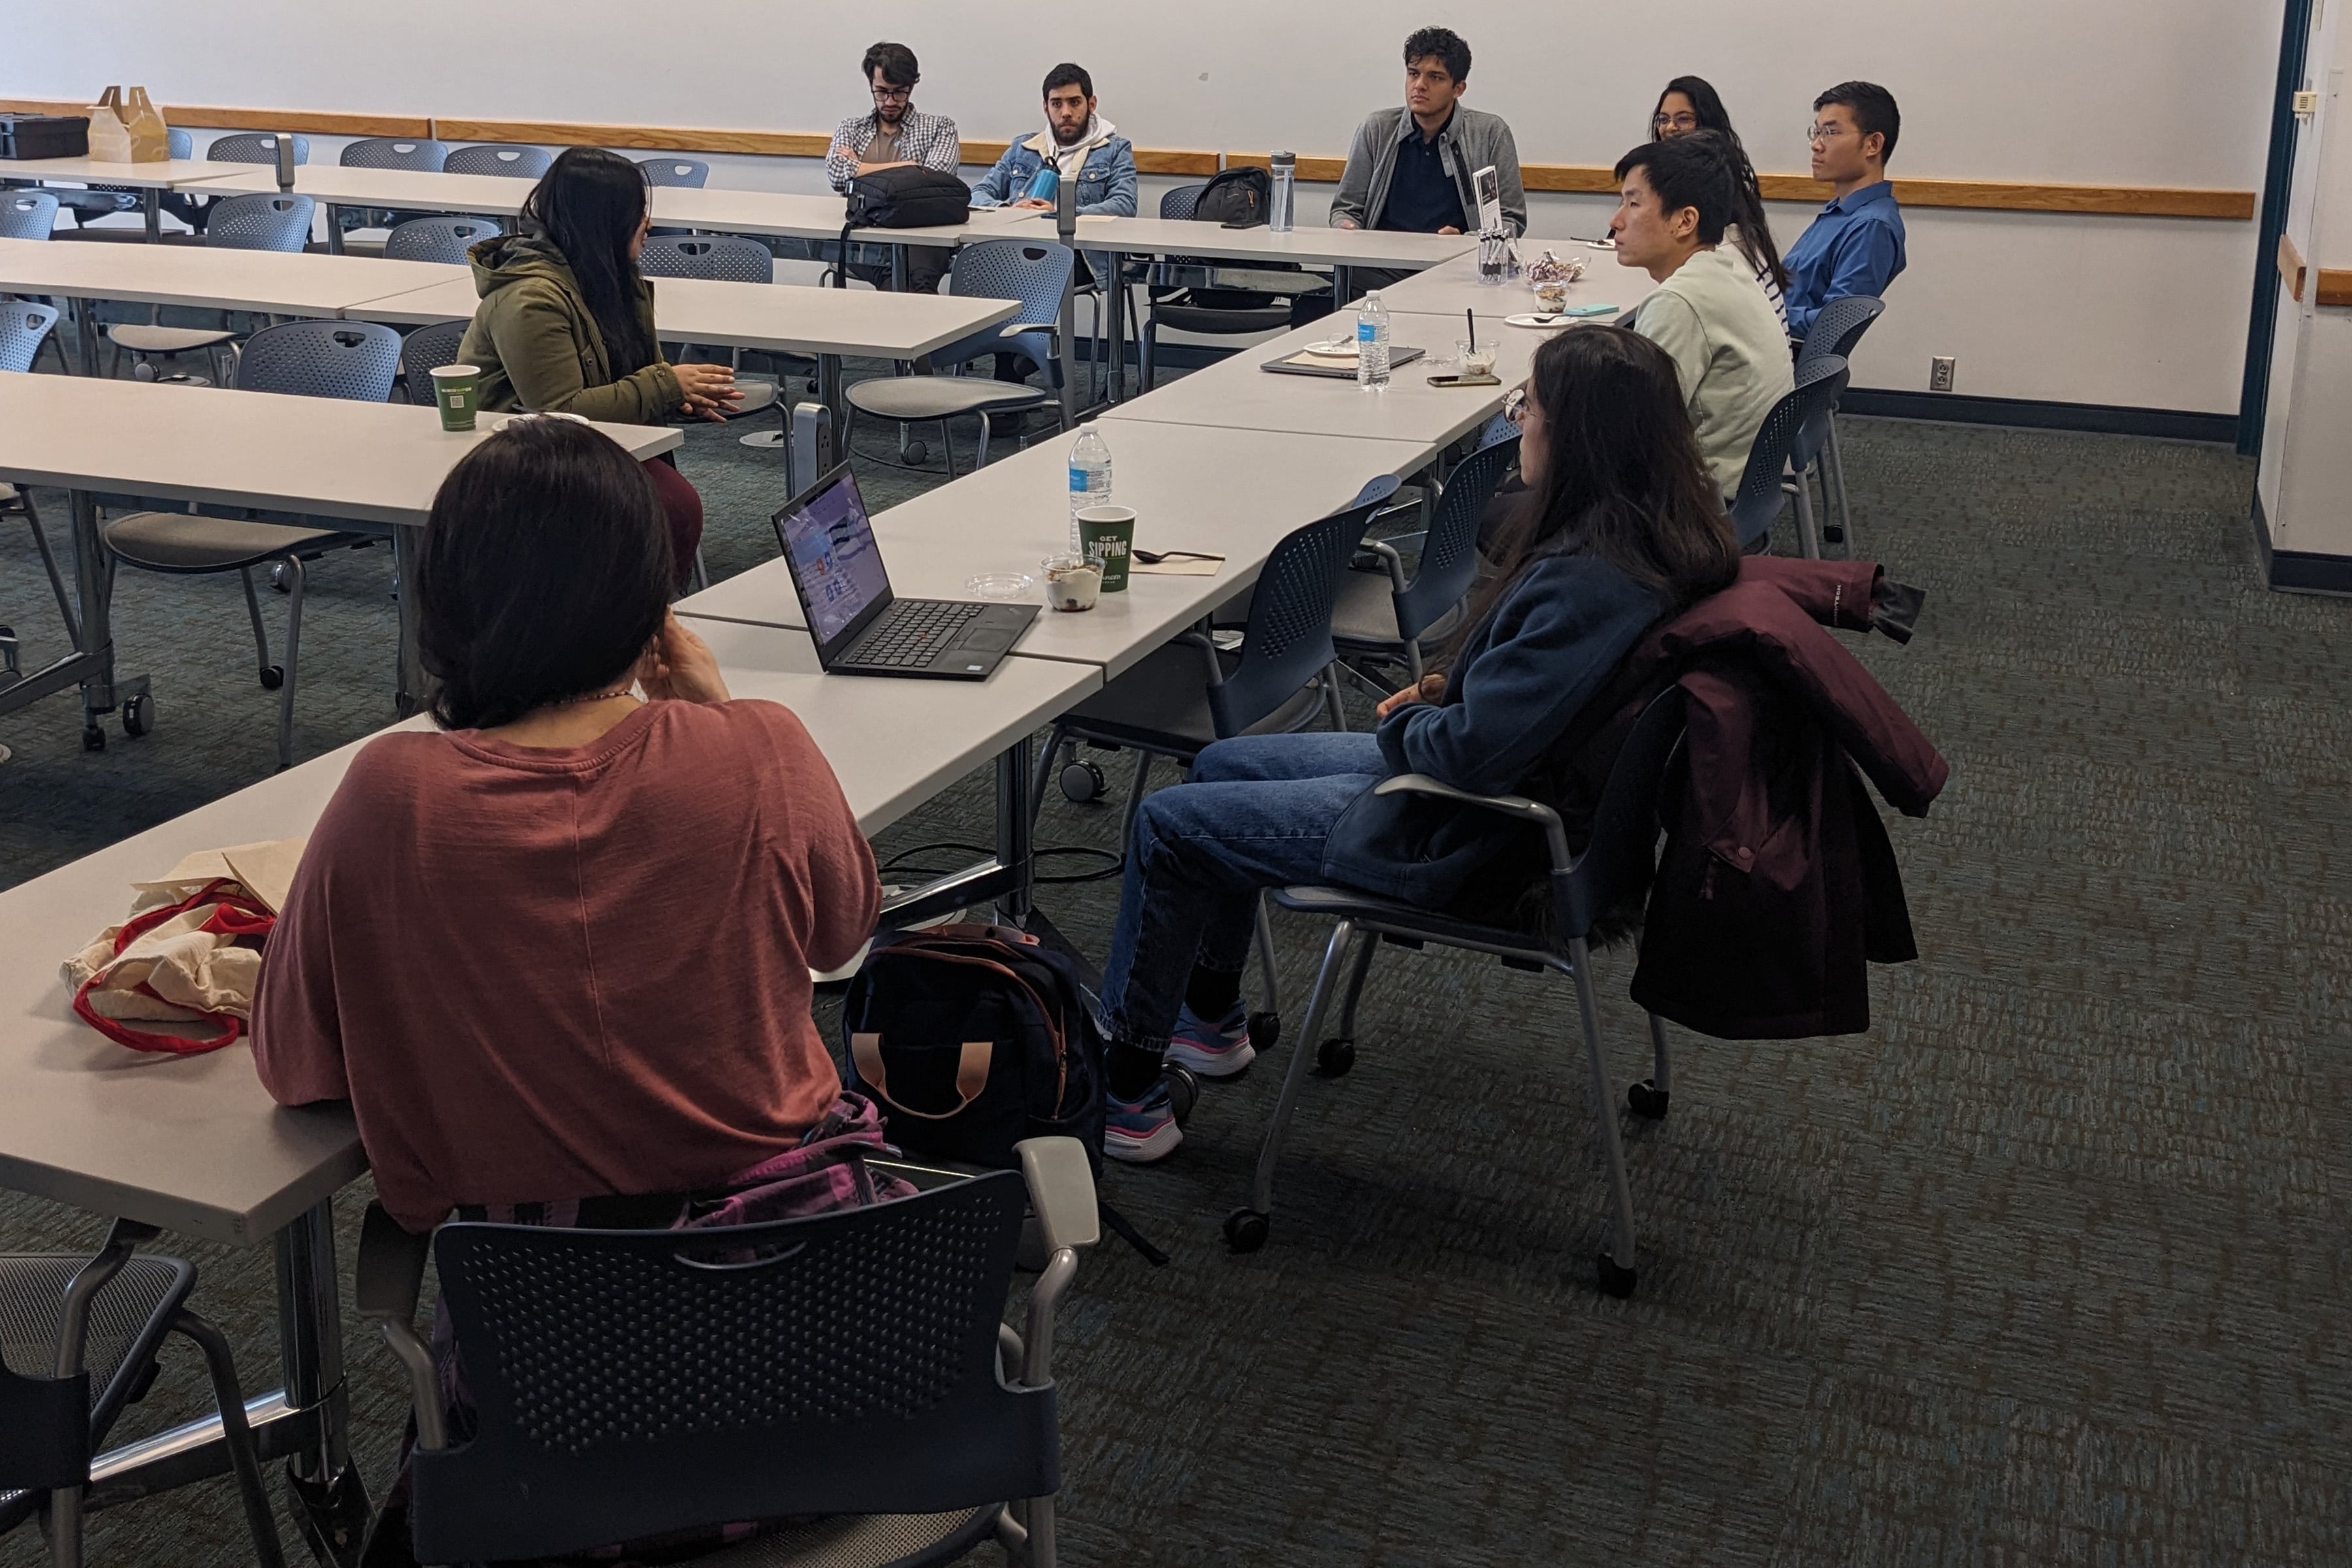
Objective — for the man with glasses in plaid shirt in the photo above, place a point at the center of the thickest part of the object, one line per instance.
(893, 135)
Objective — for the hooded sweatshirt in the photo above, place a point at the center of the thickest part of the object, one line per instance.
(1100, 160)
(540, 348)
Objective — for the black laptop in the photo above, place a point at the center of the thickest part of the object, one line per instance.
(859, 627)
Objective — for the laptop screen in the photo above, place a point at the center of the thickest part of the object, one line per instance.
(829, 543)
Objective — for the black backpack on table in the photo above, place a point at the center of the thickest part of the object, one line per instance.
(1238, 198)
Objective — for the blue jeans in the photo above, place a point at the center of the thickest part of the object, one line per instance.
(1254, 815)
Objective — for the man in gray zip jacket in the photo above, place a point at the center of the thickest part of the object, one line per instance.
(1409, 169)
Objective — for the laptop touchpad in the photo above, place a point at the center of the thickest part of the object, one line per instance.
(987, 639)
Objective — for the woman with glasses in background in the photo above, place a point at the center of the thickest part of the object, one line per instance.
(1691, 103)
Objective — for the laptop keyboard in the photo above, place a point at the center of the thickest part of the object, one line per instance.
(913, 632)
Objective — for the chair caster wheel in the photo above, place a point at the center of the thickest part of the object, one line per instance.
(1646, 1099)
(1264, 1030)
(1082, 782)
(93, 739)
(273, 676)
(913, 453)
(139, 715)
(1833, 534)
(1615, 1279)
(278, 579)
(1183, 1090)
(1334, 1057)
(1246, 1230)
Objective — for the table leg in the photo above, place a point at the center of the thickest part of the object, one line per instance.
(1014, 849)
(1341, 278)
(1117, 290)
(150, 203)
(86, 334)
(334, 230)
(330, 1501)
(898, 270)
(408, 694)
(94, 586)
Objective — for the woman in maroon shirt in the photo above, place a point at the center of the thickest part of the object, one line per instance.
(559, 948)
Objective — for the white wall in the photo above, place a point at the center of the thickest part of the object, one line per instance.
(2152, 92)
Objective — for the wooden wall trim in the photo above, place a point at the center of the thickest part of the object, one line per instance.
(1991, 196)
(2291, 267)
(2334, 286)
(323, 122)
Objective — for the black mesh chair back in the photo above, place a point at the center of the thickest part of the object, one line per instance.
(671, 170)
(724, 258)
(256, 147)
(1619, 859)
(394, 152)
(426, 350)
(437, 238)
(632, 1383)
(48, 1425)
(1449, 551)
(1839, 327)
(355, 360)
(1286, 641)
(1819, 385)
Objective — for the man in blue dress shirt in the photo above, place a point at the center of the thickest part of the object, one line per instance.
(1855, 246)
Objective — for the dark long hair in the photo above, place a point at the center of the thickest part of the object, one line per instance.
(545, 572)
(1623, 478)
(588, 205)
(1755, 229)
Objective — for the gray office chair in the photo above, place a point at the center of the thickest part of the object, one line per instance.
(84, 1333)
(443, 239)
(393, 152)
(265, 221)
(721, 258)
(849, 1373)
(27, 214)
(1763, 486)
(1614, 866)
(1211, 311)
(1384, 619)
(515, 163)
(1189, 693)
(421, 152)
(426, 350)
(691, 173)
(256, 147)
(23, 328)
(1034, 272)
(356, 360)
(1836, 329)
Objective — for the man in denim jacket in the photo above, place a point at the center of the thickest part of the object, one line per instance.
(1079, 142)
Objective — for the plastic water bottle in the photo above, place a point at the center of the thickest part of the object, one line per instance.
(1282, 203)
(1089, 477)
(1371, 346)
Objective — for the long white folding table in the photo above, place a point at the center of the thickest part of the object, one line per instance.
(1452, 287)
(1238, 393)
(376, 463)
(150, 180)
(193, 1144)
(784, 214)
(780, 317)
(267, 283)
(1234, 493)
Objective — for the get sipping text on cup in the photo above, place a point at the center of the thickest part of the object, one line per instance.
(457, 392)
(1106, 536)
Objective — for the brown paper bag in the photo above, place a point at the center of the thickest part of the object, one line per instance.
(127, 129)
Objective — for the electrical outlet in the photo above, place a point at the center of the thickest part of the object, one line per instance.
(1940, 371)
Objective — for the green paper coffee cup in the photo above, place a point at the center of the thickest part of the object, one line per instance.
(457, 392)
(1107, 533)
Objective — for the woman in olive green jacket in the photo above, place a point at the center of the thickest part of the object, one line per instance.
(566, 321)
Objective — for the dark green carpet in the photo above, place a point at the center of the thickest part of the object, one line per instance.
(2049, 1267)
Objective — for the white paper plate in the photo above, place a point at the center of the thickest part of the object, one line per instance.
(502, 421)
(1332, 348)
(1546, 322)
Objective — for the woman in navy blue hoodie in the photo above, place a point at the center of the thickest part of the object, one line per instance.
(1620, 528)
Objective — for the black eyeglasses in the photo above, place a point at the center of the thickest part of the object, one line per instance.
(1686, 120)
(893, 94)
(1515, 407)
